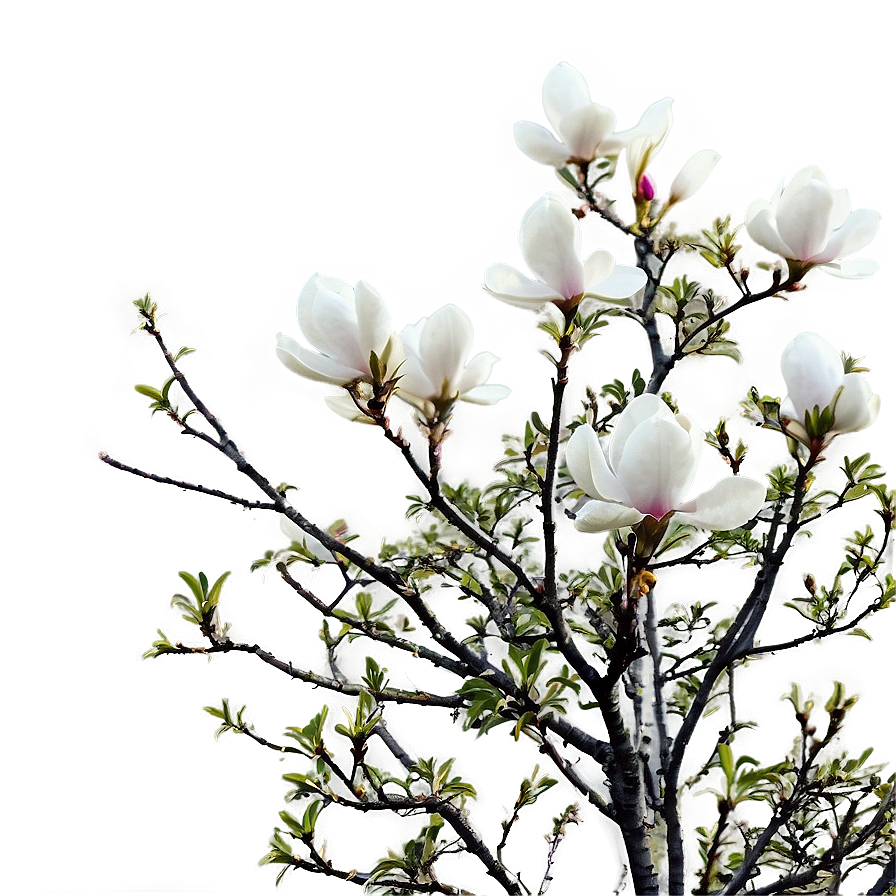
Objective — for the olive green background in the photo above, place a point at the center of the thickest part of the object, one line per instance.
(216, 154)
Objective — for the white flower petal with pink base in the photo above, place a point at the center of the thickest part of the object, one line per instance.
(657, 466)
(727, 505)
(601, 516)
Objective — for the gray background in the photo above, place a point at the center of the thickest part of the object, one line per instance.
(217, 153)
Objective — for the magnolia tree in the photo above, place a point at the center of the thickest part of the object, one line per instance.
(586, 667)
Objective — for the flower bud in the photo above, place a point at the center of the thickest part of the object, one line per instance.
(647, 189)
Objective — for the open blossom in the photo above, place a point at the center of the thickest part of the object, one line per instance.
(345, 325)
(585, 128)
(436, 372)
(813, 372)
(651, 461)
(550, 239)
(810, 224)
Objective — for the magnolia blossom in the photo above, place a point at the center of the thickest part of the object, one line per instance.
(813, 372)
(585, 128)
(642, 144)
(551, 240)
(345, 325)
(651, 461)
(436, 372)
(809, 223)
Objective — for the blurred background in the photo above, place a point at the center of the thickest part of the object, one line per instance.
(216, 155)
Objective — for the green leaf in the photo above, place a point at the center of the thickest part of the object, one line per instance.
(149, 392)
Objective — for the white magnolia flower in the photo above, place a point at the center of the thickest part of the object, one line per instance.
(345, 325)
(436, 372)
(809, 223)
(813, 372)
(650, 465)
(585, 128)
(551, 241)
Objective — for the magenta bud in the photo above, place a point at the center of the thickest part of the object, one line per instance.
(647, 188)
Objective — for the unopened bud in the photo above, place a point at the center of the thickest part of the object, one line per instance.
(809, 582)
(646, 188)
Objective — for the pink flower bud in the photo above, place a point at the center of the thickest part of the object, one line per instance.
(646, 188)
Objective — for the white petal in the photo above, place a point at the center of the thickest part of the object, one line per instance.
(599, 267)
(856, 406)
(344, 406)
(762, 230)
(697, 437)
(374, 323)
(445, 344)
(654, 123)
(657, 466)
(509, 285)
(485, 394)
(539, 144)
(693, 175)
(584, 129)
(841, 207)
(313, 366)
(550, 240)
(623, 283)
(857, 231)
(294, 533)
(601, 516)
(588, 467)
(851, 268)
(564, 90)
(634, 414)
(803, 219)
(727, 505)
(813, 371)
(476, 372)
(326, 315)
